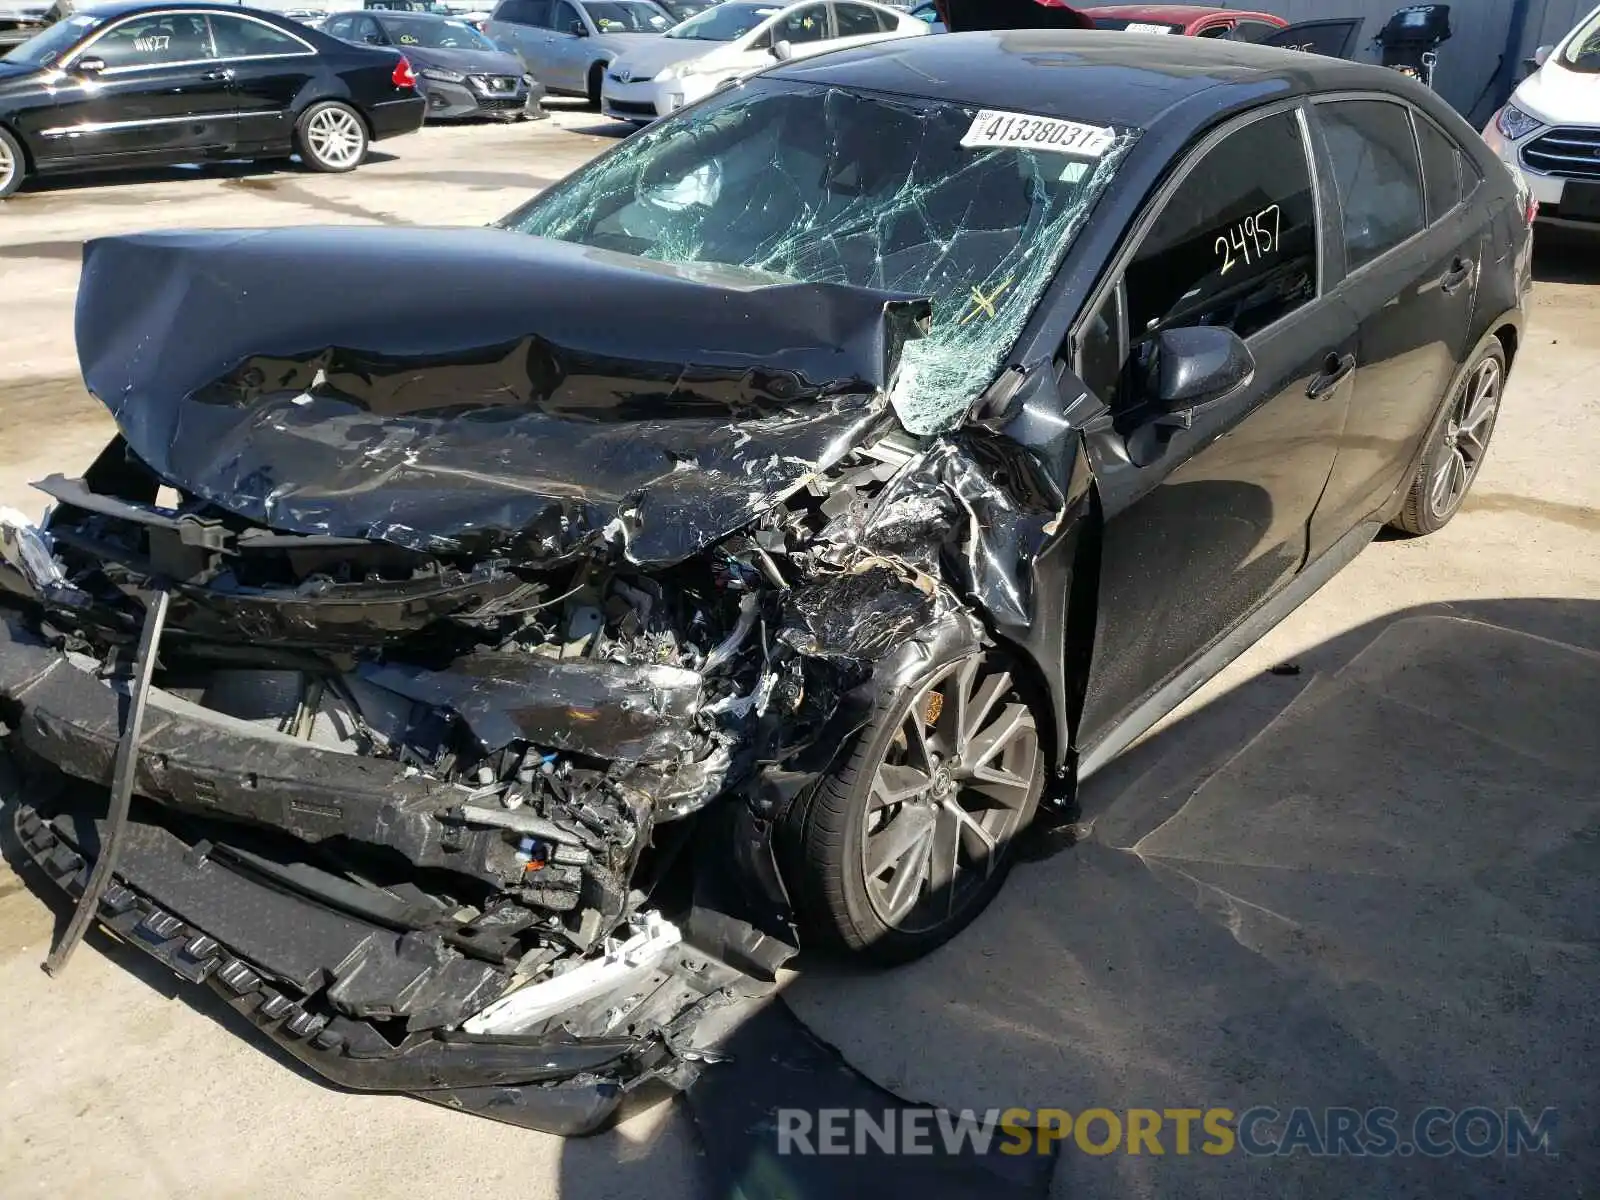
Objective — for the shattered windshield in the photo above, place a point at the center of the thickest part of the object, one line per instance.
(973, 209)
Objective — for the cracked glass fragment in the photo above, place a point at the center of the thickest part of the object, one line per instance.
(825, 185)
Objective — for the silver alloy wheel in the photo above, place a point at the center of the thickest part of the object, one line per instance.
(949, 795)
(336, 137)
(9, 166)
(1466, 437)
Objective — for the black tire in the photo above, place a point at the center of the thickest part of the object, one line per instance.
(596, 81)
(313, 137)
(830, 877)
(13, 163)
(1457, 449)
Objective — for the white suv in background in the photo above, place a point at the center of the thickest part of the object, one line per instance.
(1550, 128)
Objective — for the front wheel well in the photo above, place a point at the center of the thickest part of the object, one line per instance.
(1508, 341)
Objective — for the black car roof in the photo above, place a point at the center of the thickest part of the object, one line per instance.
(119, 8)
(1098, 77)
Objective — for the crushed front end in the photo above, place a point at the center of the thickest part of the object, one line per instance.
(458, 758)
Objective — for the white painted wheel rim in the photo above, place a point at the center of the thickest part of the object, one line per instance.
(336, 138)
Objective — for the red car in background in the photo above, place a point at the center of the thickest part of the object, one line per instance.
(1190, 20)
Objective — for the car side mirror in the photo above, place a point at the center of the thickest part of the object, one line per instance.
(1195, 367)
(89, 66)
(1542, 55)
(578, 29)
(782, 51)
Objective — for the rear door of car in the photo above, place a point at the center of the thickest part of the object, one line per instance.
(521, 27)
(567, 54)
(268, 68)
(158, 92)
(1413, 251)
(1205, 519)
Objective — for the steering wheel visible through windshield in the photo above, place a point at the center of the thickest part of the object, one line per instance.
(825, 185)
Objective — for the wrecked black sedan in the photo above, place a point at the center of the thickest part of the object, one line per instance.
(760, 529)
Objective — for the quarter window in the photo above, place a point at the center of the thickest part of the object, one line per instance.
(1441, 169)
(239, 38)
(1236, 243)
(154, 41)
(856, 21)
(1377, 175)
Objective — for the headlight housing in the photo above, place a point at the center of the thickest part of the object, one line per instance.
(1515, 123)
(440, 75)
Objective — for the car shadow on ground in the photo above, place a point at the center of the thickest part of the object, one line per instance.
(1373, 883)
(128, 181)
(1566, 255)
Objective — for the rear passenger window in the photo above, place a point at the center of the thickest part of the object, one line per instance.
(855, 20)
(1236, 243)
(240, 37)
(1441, 169)
(1376, 173)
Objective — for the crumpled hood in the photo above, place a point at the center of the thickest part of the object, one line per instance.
(479, 391)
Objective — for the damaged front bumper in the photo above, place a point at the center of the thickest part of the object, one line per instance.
(270, 964)
(376, 989)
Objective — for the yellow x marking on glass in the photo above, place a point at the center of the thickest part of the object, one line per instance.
(985, 304)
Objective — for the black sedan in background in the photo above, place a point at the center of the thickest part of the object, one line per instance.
(460, 71)
(122, 85)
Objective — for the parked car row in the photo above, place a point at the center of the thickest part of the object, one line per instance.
(123, 83)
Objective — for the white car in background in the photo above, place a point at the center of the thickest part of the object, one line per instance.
(735, 38)
(1550, 128)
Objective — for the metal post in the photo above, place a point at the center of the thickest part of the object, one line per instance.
(127, 764)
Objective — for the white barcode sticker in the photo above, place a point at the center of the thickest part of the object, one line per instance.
(991, 128)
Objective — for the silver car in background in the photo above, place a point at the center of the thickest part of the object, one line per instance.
(739, 37)
(567, 44)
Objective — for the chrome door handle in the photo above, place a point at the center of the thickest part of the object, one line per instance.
(1334, 368)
